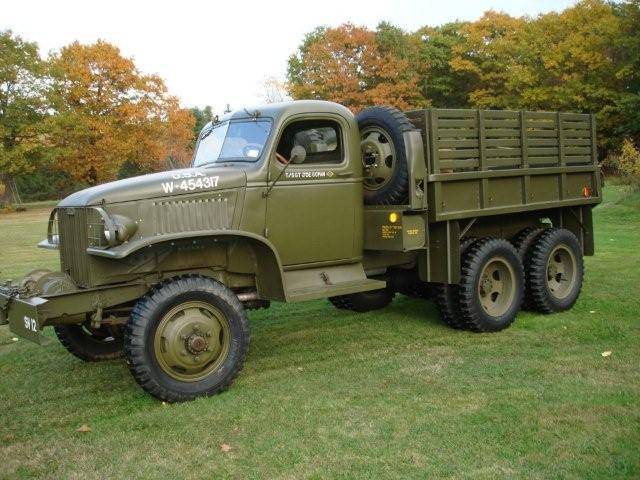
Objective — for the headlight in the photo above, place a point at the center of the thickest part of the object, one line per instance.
(114, 229)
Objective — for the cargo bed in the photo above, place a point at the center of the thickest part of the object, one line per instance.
(489, 162)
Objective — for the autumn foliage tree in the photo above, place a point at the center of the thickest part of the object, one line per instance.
(347, 65)
(107, 114)
(21, 110)
(585, 58)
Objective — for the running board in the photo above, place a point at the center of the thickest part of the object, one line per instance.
(324, 282)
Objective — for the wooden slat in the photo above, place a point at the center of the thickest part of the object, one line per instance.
(457, 123)
(504, 162)
(494, 114)
(575, 159)
(577, 150)
(502, 123)
(460, 153)
(502, 132)
(575, 116)
(542, 142)
(503, 152)
(539, 115)
(502, 142)
(578, 142)
(457, 133)
(567, 125)
(542, 133)
(542, 151)
(458, 164)
(577, 134)
(540, 124)
(543, 160)
(452, 113)
(457, 144)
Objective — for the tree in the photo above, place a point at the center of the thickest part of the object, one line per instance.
(347, 65)
(488, 59)
(108, 114)
(202, 116)
(21, 110)
(274, 90)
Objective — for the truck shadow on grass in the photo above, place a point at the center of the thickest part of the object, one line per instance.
(285, 336)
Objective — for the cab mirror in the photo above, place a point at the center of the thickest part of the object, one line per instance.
(298, 154)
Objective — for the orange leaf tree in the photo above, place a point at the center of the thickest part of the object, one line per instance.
(347, 65)
(108, 114)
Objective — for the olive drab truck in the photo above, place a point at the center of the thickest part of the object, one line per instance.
(484, 212)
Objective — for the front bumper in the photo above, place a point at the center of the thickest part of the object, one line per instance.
(22, 314)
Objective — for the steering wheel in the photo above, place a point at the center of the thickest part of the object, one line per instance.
(281, 159)
(249, 147)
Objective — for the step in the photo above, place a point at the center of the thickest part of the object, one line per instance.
(325, 291)
(328, 281)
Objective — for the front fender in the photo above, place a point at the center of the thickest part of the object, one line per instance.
(268, 267)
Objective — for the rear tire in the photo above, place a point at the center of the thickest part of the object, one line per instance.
(363, 301)
(187, 338)
(446, 296)
(523, 242)
(491, 285)
(386, 175)
(555, 271)
(89, 344)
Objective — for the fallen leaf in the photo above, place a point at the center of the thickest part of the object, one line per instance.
(225, 447)
(84, 428)
(606, 354)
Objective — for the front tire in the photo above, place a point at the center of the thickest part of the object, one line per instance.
(187, 338)
(491, 285)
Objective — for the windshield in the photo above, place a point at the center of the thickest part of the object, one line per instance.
(239, 141)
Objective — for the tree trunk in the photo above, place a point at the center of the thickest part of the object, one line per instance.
(10, 194)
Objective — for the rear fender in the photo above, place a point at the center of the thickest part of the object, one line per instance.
(267, 266)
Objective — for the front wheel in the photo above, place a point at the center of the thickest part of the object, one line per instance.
(187, 338)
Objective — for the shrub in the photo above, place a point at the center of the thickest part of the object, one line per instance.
(625, 164)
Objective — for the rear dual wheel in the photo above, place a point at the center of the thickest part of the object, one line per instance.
(491, 285)
(555, 270)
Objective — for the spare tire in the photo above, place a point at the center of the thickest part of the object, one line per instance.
(386, 176)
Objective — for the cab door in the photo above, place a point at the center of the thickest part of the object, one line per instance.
(314, 210)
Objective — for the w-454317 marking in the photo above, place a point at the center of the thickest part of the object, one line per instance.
(191, 184)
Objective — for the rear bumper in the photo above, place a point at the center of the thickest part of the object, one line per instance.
(23, 315)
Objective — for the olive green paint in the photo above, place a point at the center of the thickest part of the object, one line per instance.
(301, 231)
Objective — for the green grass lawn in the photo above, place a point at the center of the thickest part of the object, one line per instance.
(332, 394)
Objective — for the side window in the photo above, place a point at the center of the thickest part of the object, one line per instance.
(320, 138)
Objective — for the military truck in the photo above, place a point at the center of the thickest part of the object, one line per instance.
(485, 212)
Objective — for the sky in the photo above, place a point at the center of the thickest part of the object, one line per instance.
(218, 53)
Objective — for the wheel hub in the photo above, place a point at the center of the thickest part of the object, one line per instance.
(496, 288)
(561, 271)
(196, 343)
(192, 341)
(378, 157)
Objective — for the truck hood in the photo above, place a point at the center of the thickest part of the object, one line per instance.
(155, 185)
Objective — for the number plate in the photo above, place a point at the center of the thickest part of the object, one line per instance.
(23, 318)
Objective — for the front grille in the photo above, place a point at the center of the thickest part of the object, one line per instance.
(73, 226)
